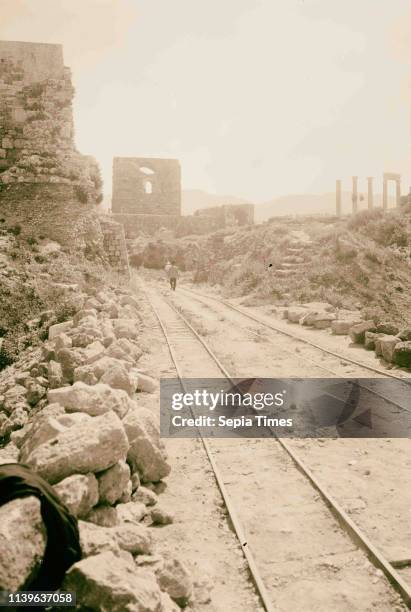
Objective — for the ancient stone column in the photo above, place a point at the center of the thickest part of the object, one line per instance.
(354, 194)
(338, 198)
(398, 192)
(384, 194)
(370, 193)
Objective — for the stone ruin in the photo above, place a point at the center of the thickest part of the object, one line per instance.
(147, 197)
(387, 176)
(46, 186)
(146, 193)
(229, 215)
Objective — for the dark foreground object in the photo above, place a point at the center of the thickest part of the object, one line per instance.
(63, 541)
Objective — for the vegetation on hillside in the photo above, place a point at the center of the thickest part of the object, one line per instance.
(357, 262)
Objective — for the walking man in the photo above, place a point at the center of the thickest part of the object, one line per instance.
(172, 273)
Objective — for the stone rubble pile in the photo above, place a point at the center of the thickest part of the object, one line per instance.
(385, 338)
(73, 416)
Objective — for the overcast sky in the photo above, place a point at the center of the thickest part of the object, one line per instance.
(257, 98)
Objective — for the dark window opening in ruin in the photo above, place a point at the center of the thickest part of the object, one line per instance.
(148, 187)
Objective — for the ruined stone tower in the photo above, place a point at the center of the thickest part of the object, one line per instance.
(46, 186)
(146, 193)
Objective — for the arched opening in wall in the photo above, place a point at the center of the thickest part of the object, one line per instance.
(148, 187)
(146, 170)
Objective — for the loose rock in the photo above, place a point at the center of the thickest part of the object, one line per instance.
(91, 446)
(22, 541)
(79, 493)
(145, 496)
(108, 583)
(113, 482)
(103, 515)
(91, 399)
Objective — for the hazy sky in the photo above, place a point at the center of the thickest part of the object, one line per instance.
(257, 98)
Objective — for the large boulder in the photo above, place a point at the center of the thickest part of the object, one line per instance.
(145, 454)
(70, 359)
(22, 542)
(95, 539)
(94, 351)
(119, 378)
(387, 345)
(85, 314)
(62, 341)
(79, 493)
(357, 332)
(108, 583)
(131, 512)
(58, 328)
(322, 320)
(106, 363)
(146, 383)
(130, 300)
(405, 334)
(160, 516)
(91, 399)
(35, 392)
(45, 427)
(85, 374)
(369, 340)
(174, 578)
(134, 538)
(294, 313)
(91, 446)
(145, 496)
(388, 328)
(54, 374)
(113, 482)
(130, 347)
(126, 328)
(103, 515)
(13, 398)
(82, 338)
(379, 341)
(402, 354)
(341, 327)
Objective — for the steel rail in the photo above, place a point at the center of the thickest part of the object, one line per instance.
(352, 529)
(310, 360)
(296, 337)
(253, 569)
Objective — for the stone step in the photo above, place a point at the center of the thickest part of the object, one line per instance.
(293, 259)
(281, 272)
(295, 250)
(290, 266)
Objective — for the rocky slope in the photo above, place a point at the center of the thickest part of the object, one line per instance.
(361, 262)
(74, 410)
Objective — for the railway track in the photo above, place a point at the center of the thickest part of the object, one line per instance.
(320, 553)
(406, 378)
(403, 379)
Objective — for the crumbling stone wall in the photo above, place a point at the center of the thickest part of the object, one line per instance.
(114, 244)
(229, 214)
(146, 186)
(181, 226)
(37, 150)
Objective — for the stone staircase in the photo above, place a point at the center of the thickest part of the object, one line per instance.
(296, 254)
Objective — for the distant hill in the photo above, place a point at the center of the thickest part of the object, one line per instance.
(194, 199)
(306, 204)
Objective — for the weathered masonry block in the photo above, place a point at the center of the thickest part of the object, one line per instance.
(114, 245)
(146, 186)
